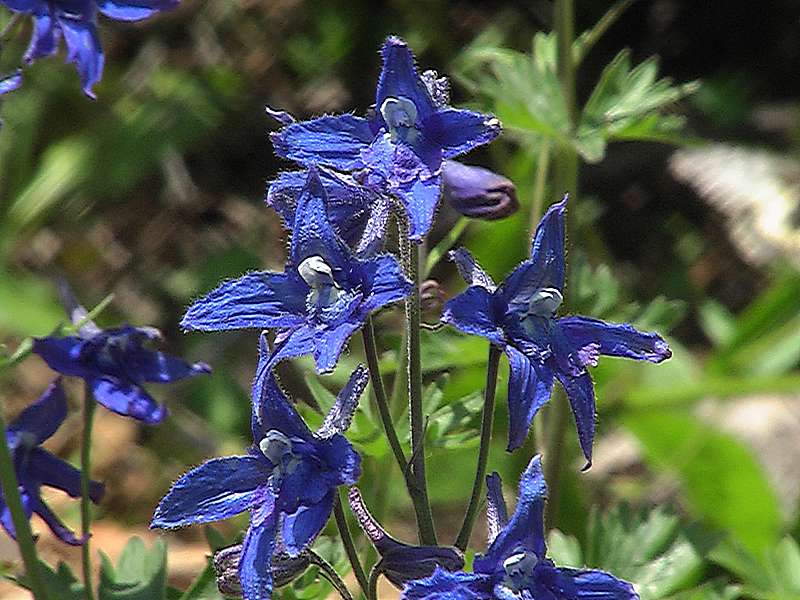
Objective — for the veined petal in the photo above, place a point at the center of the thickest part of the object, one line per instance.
(276, 412)
(547, 248)
(291, 343)
(51, 471)
(254, 301)
(54, 523)
(218, 489)
(580, 392)
(341, 413)
(83, 49)
(592, 585)
(613, 339)
(161, 367)
(344, 463)
(329, 343)
(63, 355)
(529, 387)
(255, 565)
(333, 141)
(470, 270)
(43, 417)
(444, 585)
(44, 38)
(496, 512)
(126, 398)
(421, 201)
(399, 78)
(302, 527)
(457, 131)
(472, 311)
(384, 282)
(133, 10)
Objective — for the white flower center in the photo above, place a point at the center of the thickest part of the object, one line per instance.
(545, 302)
(275, 446)
(398, 112)
(519, 569)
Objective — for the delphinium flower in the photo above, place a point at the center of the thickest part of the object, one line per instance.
(288, 480)
(76, 21)
(398, 150)
(519, 316)
(36, 467)
(114, 363)
(400, 562)
(323, 296)
(515, 566)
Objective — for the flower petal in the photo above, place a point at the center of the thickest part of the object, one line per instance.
(457, 131)
(83, 49)
(344, 463)
(473, 312)
(384, 281)
(302, 527)
(291, 343)
(341, 413)
(63, 355)
(126, 398)
(444, 585)
(43, 417)
(22, 5)
(255, 565)
(276, 412)
(54, 523)
(529, 387)
(254, 301)
(333, 141)
(580, 392)
(399, 78)
(161, 367)
(5, 514)
(218, 489)
(421, 201)
(328, 346)
(592, 585)
(547, 248)
(496, 512)
(133, 10)
(11, 82)
(44, 38)
(470, 270)
(50, 470)
(613, 339)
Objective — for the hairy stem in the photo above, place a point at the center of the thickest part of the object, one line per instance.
(427, 532)
(349, 545)
(22, 528)
(483, 451)
(89, 406)
(328, 572)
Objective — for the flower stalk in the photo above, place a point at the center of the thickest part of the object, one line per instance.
(349, 545)
(89, 406)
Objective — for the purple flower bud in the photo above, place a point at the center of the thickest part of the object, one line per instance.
(431, 295)
(226, 564)
(477, 192)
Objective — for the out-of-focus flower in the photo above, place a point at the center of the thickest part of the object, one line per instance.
(400, 562)
(323, 297)
(515, 566)
(287, 480)
(477, 192)
(114, 363)
(519, 317)
(76, 22)
(397, 151)
(36, 466)
(9, 83)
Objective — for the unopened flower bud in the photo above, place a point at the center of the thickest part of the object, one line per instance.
(477, 192)
(285, 568)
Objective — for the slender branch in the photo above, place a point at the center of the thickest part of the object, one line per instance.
(9, 27)
(447, 242)
(22, 528)
(483, 451)
(590, 38)
(427, 532)
(374, 575)
(329, 573)
(89, 406)
(349, 545)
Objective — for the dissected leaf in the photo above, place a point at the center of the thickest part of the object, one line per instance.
(140, 574)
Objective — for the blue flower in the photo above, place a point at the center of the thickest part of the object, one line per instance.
(76, 21)
(288, 480)
(114, 363)
(36, 466)
(402, 563)
(478, 193)
(519, 317)
(515, 566)
(11, 82)
(324, 295)
(397, 151)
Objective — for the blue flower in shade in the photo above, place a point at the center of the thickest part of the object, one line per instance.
(114, 363)
(399, 149)
(519, 317)
(36, 466)
(324, 295)
(11, 82)
(515, 566)
(287, 480)
(76, 21)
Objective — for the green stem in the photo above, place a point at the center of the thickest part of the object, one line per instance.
(590, 38)
(448, 241)
(349, 545)
(566, 180)
(374, 575)
(10, 489)
(427, 531)
(328, 572)
(89, 406)
(483, 451)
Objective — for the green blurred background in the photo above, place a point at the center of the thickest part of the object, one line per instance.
(687, 222)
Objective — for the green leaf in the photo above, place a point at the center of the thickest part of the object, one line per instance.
(61, 583)
(140, 574)
(774, 576)
(204, 587)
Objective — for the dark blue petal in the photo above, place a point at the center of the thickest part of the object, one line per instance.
(126, 398)
(302, 527)
(529, 387)
(580, 392)
(43, 417)
(547, 248)
(457, 131)
(133, 10)
(333, 141)
(255, 565)
(525, 530)
(444, 585)
(291, 344)
(470, 270)
(341, 413)
(51, 471)
(478, 193)
(23, 5)
(217, 489)
(5, 514)
(375, 227)
(44, 38)
(12, 82)
(399, 79)
(54, 523)
(613, 339)
(63, 355)
(384, 282)
(591, 585)
(273, 408)
(254, 301)
(83, 49)
(306, 485)
(496, 512)
(343, 462)
(160, 367)
(329, 345)
(473, 312)
(421, 201)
